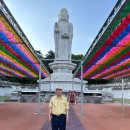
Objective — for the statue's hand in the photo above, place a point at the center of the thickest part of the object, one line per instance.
(56, 27)
(65, 35)
(57, 30)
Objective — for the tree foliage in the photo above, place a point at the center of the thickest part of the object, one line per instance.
(22, 80)
(51, 55)
(98, 81)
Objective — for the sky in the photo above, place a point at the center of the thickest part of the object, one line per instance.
(37, 18)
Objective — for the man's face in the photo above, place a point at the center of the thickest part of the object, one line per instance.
(59, 92)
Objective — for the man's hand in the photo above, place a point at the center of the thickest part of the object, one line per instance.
(49, 118)
(67, 118)
(50, 114)
(67, 115)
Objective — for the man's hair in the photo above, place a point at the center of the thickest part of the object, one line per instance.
(58, 88)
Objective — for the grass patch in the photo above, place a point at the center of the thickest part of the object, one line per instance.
(119, 100)
(4, 98)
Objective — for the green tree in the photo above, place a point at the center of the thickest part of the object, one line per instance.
(51, 55)
(77, 57)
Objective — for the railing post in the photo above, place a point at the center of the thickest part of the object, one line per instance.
(81, 103)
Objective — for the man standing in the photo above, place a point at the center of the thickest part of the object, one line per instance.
(58, 113)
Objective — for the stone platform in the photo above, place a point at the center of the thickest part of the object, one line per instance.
(66, 82)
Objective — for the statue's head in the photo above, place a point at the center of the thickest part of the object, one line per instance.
(63, 15)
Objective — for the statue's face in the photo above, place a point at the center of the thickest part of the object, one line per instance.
(63, 16)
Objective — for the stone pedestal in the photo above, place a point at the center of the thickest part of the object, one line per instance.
(62, 67)
(64, 81)
(61, 77)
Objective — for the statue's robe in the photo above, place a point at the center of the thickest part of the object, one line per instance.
(63, 34)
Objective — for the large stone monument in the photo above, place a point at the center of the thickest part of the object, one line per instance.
(63, 34)
(62, 66)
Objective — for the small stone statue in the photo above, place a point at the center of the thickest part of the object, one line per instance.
(63, 34)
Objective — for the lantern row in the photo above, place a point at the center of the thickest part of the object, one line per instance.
(15, 57)
(110, 58)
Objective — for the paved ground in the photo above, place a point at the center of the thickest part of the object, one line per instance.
(105, 117)
(74, 123)
(20, 116)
